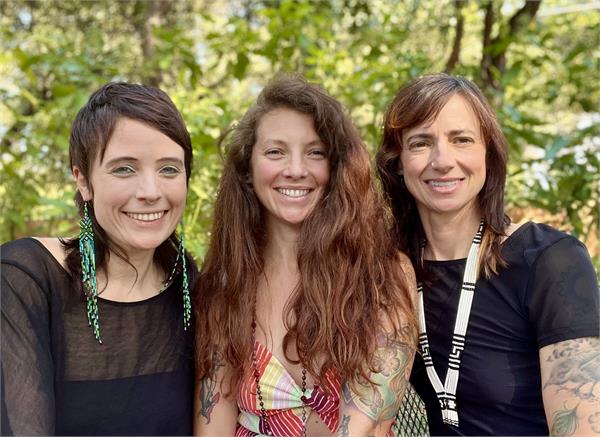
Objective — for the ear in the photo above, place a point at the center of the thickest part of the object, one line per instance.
(399, 170)
(82, 184)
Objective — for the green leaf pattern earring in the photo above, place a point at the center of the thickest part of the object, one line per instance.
(88, 274)
(88, 270)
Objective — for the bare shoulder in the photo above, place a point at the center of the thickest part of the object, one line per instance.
(54, 246)
(409, 271)
(406, 264)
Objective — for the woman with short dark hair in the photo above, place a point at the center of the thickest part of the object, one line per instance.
(508, 314)
(96, 330)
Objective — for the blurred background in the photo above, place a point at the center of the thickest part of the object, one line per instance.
(538, 62)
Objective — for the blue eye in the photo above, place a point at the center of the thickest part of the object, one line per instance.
(170, 170)
(123, 170)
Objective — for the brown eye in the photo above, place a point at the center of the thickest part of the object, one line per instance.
(464, 140)
(418, 145)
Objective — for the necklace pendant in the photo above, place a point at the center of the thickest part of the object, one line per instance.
(450, 417)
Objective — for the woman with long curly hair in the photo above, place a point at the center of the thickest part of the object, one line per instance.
(305, 308)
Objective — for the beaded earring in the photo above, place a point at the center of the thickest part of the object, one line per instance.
(185, 284)
(187, 306)
(88, 270)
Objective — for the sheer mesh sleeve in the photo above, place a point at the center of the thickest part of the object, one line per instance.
(27, 369)
(563, 296)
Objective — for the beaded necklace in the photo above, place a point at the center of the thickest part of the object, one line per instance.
(446, 393)
(263, 412)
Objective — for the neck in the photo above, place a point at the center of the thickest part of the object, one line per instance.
(449, 236)
(281, 255)
(119, 281)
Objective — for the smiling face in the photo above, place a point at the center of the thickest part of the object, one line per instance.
(138, 190)
(289, 166)
(443, 162)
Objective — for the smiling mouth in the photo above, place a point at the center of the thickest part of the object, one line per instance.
(444, 183)
(146, 217)
(293, 193)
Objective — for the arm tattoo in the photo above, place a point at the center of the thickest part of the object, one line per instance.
(343, 430)
(594, 421)
(391, 372)
(565, 422)
(208, 397)
(576, 367)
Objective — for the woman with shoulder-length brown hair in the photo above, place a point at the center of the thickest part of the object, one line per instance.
(508, 315)
(304, 304)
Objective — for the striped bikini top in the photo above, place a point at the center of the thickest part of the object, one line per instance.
(282, 399)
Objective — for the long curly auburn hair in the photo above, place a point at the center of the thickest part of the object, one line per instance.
(351, 277)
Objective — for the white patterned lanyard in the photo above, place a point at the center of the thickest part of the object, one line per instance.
(446, 394)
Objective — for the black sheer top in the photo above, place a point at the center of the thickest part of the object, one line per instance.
(57, 379)
(547, 294)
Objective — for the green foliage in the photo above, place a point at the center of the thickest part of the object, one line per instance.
(213, 58)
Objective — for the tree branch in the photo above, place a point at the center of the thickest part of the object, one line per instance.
(494, 50)
(460, 27)
(153, 16)
(486, 58)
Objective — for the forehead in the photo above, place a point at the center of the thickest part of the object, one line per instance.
(456, 114)
(285, 124)
(139, 140)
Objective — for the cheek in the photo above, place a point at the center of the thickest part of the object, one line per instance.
(262, 172)
(323, 173)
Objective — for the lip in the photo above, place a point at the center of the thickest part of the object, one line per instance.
(146, 218)
(294, 192)
(444, 185)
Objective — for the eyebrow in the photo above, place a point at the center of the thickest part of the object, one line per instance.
(165, 160)
(455, 132)
(420, 136)
(452, 133)
(315, 142)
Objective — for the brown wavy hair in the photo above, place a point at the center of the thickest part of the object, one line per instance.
(351, 279)
(420, 102)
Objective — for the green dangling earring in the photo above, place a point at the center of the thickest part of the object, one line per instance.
(187, 306)
(88, 270)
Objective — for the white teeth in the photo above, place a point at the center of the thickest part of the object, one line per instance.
(443, 183)
(293, 193)
(146, 217)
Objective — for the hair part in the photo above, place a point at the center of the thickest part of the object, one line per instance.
(91, 132)
(350, 274)
(419, 102)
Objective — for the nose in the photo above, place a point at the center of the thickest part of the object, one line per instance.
(295, 168)
(442, 158)
(148, 188)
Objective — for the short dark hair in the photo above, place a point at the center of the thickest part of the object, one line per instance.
(96, 120)
(91, 131)
(418, 102)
